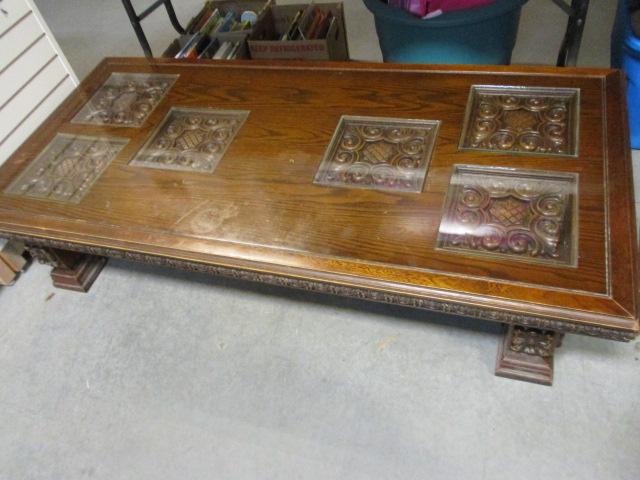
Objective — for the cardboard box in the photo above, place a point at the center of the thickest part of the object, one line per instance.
(260, 7)
(7, 276)
(12, 254)
(179, 43)
(264, 41)
(238, 6)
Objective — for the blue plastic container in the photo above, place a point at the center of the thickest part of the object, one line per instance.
(625, 54)
(482, 35)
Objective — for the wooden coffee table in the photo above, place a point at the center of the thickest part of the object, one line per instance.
(501, 194)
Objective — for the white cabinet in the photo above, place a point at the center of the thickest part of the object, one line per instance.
(34, 75)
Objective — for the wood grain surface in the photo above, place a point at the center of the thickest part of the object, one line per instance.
(260, 209)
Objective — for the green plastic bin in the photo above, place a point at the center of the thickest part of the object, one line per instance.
(483, 35)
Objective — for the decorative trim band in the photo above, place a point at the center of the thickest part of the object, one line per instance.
(434, 305)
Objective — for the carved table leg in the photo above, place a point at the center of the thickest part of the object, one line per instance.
(71, 270)
(527, 354)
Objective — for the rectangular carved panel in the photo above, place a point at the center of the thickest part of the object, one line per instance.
(125, 99)
(511, 213)
(379, 153)
(191, 139)
(67, 168)
(522, 120)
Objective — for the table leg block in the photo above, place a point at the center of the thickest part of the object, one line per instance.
(71, 270)
(81, 276)
(527, 354)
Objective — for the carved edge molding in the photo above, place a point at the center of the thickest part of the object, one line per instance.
(438, 306)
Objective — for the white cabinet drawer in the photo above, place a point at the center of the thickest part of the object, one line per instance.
(15, 10)
(27, 99)
(39, 114)
(24, 69)
(15, 41)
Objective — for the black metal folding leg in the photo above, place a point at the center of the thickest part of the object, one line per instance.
(135, 20)
(577, 11)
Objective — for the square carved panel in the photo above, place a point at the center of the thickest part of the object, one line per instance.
(191, 139)
(125, 99)
(67, 168)
(379, 153)
(522, 120)
(516, 214)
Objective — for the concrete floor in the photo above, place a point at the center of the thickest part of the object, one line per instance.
(167, 375)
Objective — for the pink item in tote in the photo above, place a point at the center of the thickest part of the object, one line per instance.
(449, 5)
(433, 8)
(417, 7)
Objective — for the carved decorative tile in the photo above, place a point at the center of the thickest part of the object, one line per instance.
(533, 341)
(511, 213)
(125, 99)
(522, 119)
(67, 168)
(379, 153)
(191, 139)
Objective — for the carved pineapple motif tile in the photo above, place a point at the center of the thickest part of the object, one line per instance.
(191, 139)
(125, 99)
(67, 168)
(379, 153)
(511, 213)
(522, 120)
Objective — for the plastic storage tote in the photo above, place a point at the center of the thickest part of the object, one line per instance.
(625, 54)
(482, 35)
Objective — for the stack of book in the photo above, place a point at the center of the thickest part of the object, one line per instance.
(205, 31)
(260, 29)
(12, 261)
(309, 23)
(314, 31)
(226, 50)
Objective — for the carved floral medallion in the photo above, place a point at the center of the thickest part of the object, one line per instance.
(532, 341)
(512, 213)
(379, 153)
(125, 99)
(67, 168)
(522, 119)
(191, 139)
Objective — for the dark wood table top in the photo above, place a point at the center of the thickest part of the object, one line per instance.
(527, 213)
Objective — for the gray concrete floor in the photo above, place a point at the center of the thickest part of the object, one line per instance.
(167, 375)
